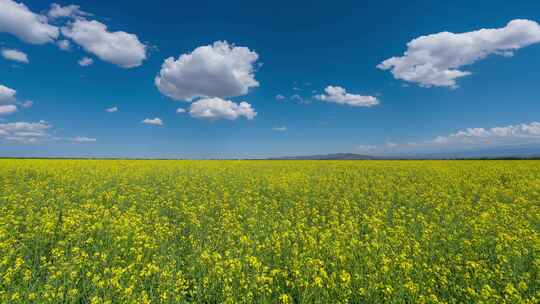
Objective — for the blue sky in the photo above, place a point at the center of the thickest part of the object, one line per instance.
(423, 102)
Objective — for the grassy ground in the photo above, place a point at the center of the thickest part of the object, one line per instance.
(75, 231)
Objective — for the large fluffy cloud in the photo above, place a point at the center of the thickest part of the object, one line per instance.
(217, 70)
(217, 108)
(339, 95)
(18, 20)
(120, 48)
(15, 55)
(24, 132)
(435, 60)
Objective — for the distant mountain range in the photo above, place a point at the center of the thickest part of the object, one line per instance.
(518, 152)
(334, 156)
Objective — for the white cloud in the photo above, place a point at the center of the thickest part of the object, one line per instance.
(7, 109)
(120, 48)
(436, 59)
(280, 129)
(83, 139)
(85, 61)
(26, 104)
(153, 121)
(7, 95)
(217, 108)
(34, 132)
(112, 109)
(18, 20)
(15, 55)
(64, 45)
(69, 11)
(217, 70)
(180, 110)
(297, 97)
(521, 133)
(280, 97)
(24, 132)
(339, 95)
(470, 138)
(7, 100)
(366, 148)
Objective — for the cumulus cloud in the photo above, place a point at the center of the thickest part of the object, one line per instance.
(217, 108)
(120, 48)
(14, 55)
(112, 109)
(470, 138)
(83, 139)
(217, 70)
(436, 59)
(64, 45)
(69, 11)
(153, 121)
(7, 95)
(7, 100)
(18, 20)
(7, 109)
(85, 61)
(280, 97)
(520, 133)
(339, 95)
(280, 129)
(24, 132)
(180, 110)
(34, 132)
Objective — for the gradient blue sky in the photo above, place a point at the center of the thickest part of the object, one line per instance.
(303, 46)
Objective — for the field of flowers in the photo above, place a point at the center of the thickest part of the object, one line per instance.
(97, 231)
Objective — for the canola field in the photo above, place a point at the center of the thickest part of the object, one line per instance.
(100, 231)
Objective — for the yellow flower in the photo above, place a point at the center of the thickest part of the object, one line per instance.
(285, 299)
